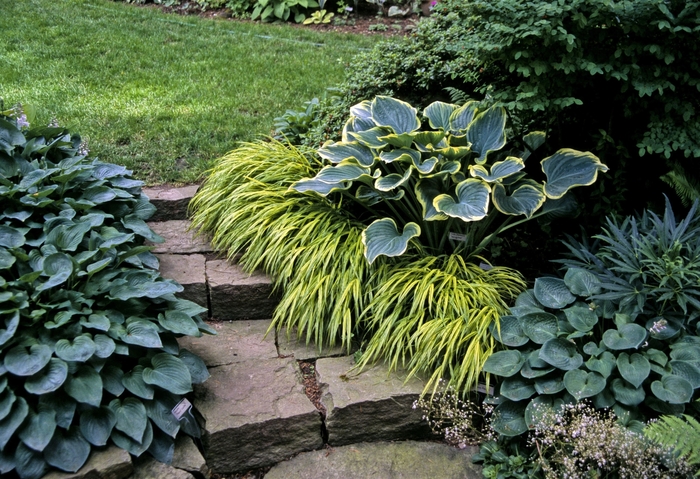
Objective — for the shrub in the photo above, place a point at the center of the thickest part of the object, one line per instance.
(682, 435)
(88, 350)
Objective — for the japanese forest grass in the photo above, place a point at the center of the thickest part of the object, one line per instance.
(428, 314)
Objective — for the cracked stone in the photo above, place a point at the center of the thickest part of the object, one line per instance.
(188, 458)
(170, 202)
(188, 270)
(177, 239)
(235, 294)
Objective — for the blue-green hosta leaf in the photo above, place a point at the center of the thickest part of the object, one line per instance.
(605, 364)
(63, 405)
(561, 207)
(345, 171)
(126, 183)
(133, 381)
(404, 140)
(525, 200)
(581, 282)
(453, 152)
(627, 394)
(371, 137)
(142, 333)
(67, 237)
(517, 388)
(12, 421)
(96, 321)
(112, 379)
(362, 110)
(509, 418)
(148, 289)
(534, 367)
(663, 407)
(569, 168)
(561, 354)
(96, 425)
(26, 361)
(10, 136)
(550, 384)
(67, 450)
(103, 171)
(447, 168)
(486, 132)
(673, 389)
(395, 114)
(38, 430)
(179, 323)
(131, 417)
(627, 336)
(504, 363)
(499, 170)
(382, 237)
(392, 181)
(429, 140)
(139, 226)
(401, 155)
(581, 384)
(472, 201)
(98, 194)
(508, 332)
(339, 152)
(553, 293)
(195, 365)
(426, 167)
(439, 113)
(320, 187)
(656, 356)
(59, 268)
(541, 408)
(28, 463)
(48, 379)
(533, 140)
(427, 189)
(162, 447)
(113, 237)
(634, 369)
(462, 117)
(688, 371)
(168, 372)
(540, 327)
(85, 386)
(604, 399)
(11, 237)
(80, 349)
(11, 324)
(582, 318)
(370, 196)
(527, 299)
(159, 411)
(134, 448)
(143, 208)
(7, 259)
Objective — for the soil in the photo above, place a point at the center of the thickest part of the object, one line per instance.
(365, 21)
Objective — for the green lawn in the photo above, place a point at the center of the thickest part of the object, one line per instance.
(162, 94)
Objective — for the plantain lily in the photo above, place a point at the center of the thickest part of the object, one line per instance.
(438, 184)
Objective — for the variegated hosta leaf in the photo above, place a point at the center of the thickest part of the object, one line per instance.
(445, 169)
(371, 137)
(564, 206)
(499, 170)
(371, 196)
(453, 152)
(462, 117)
(395, 114)
(533, 140)
(382, 237)
(568, 168)
(427, 140)
(403, 140)
(320, 187)
(338, 152)
(362, 110)
(355, 124)
(426, 166)
(400, 154)
(427, 190)
(525, 200)
(392, 181)
(438, 114)
(472, 201)
(345, 171)
(487, 132)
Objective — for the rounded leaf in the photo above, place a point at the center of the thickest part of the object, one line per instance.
(169, 373)
(142, 334)
(672, 389)
(549, 384)
(581, 282)
(338, 152)
(553, 293)
(28, 463)
(561, 354)
(688, 371)
(517, 388)
(133, 381)
(534, 367)
(525, 200)
(12, 421)
(438, 114)
(104, 346)
(11, 237)
(472, 202)
(540, 327)
(160, 412)
(96, 425)
(79, 350)
(627, 336)
(395, 114)
(508, 332)
(48, 379)
(486, 132)
(135, 448)
(23, 361)
(85, 386)
(131, 417)
(509, 418)
(569, 168)
(582, 318)
(38, 430)
(179, 323)
(634, 369)
(581, 384)
(198, 370)
(625, 393)
(504, 363)
(382, 237)
(605, 364)
(67, 450)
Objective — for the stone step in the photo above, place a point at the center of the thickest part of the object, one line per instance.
(178, 240)
(395, 460)
(170, 202)
(235, 294)
(190, 271)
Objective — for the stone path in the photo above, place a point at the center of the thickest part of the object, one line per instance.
(254, 407)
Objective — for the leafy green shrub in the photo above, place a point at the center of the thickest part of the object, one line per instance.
(88, 328)
(620, 328)
(271, 10)
(682, 435)
(293, 125)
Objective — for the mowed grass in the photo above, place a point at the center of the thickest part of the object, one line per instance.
(162, 94)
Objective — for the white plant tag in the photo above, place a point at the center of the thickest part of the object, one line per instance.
(457, 237)
(181, 408)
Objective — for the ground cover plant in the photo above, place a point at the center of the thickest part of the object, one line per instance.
(88, 327)
(161, 94)
(376, 238)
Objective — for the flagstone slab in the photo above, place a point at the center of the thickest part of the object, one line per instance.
(383, 460)
(373, 405)
(170, 201)
(178, 240)
(189, 271)
(256, 414)
(292, 345)
(110, 463)
(235, 294)
(235, 342)
(188, 458)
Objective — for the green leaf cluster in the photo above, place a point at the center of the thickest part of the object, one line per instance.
(88, 328)
(275, 10)
(438, 184)
(682, 435)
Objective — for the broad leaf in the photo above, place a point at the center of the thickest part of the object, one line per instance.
(540, 327)
(395, 114)
(604, 365)
(402, 155)
(320, 187)
(553, 293)
(569, 168)
(112, 380)
(472, 201)
(687, 371)
(392, 181)
(627, 394)
(160, 412)
(525, 200)
(486, 132)
(427, 189)
(179, 323)
(79, 350)
(67, 450)
(59, 268)
(581, 384)
(561, 354)
(49, 379)
(162, 447)
(135, 448)
(169, 373)
(133, 381)
(499, 170)
(104, 346)
(339, 152)
(504, 363)
(38, 430)
(581, 282)
(533, 140)
(509, 418)
(508, 332)
(549, 384)
(96, 425)
(517, 388)
(142, 334)
(195, 365)
(131, 417)
(634, 369)
(627, 336)
(382, 237)
(11, 324)
(582, 318)
(673, 389)
(9, 424)
(10, 237)
(85, 386)
(23, 361)
(345, 171)
(438, 114)
(372, 137)
(462, 117)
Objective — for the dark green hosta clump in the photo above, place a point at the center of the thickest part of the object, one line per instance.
(621, 328)
(88, 351)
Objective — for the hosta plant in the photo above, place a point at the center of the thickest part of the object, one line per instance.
(443, 186)
(88, 327)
